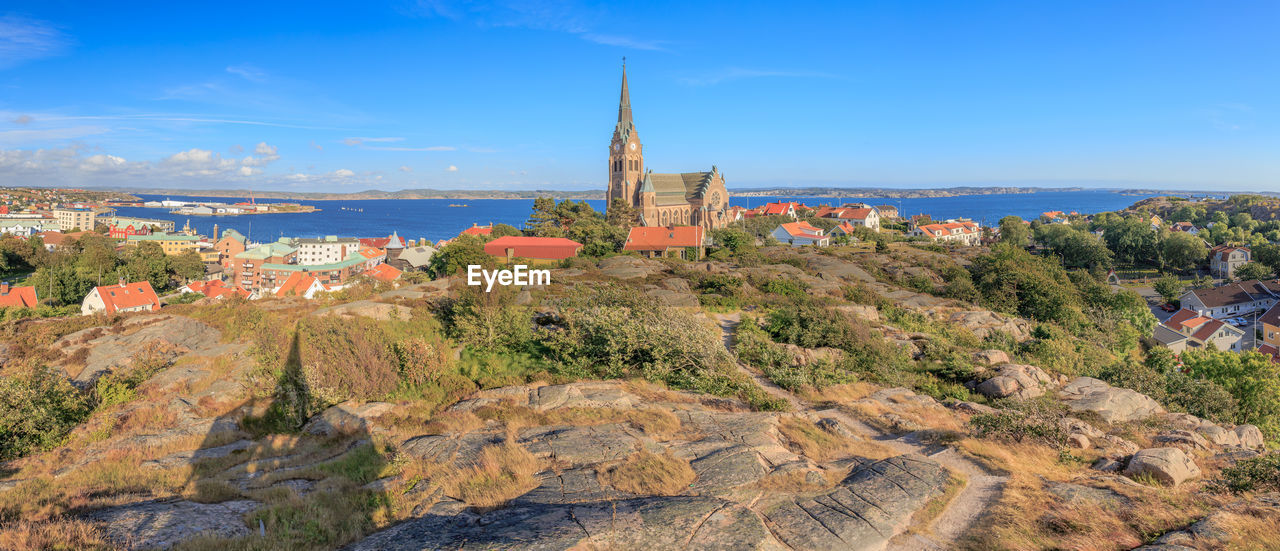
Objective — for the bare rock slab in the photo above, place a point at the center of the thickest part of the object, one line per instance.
(1114, 405)
(1168, 465)
(163, 523)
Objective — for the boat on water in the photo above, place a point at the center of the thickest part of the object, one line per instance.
(462, 205)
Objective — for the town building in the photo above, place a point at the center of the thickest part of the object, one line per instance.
(214, 289)
(843, 229)
(54, 240)
(171, 243)
(478, 230)
(229, 245)
(325, 250)
(26, 227)
(963, 232)
(1184, 227)
(17, 297)
(1232, 299)
(780, 208)
(248, 268)
(1269, 324)
(800, 234)
(417, 258)
(300, 284)
(887, 212)
(1193, 331)
(860, 215)
(120, 298)
(1224, 259)
(680, 241)
(385, 273)
(73, 219)
(685, 199)
(124, 226)
(537, 250)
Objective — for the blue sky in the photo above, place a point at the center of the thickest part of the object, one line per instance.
(322, 96)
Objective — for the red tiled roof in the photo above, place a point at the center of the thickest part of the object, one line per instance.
(372, 253)
(545, 248)
(296, 284)
(383, 272)
(24, 297)
(129, 295)
(378, 242)
(661, 238)
(478, 230)
(934, 230)
(216, 288)
(844, 227)
(802, 229)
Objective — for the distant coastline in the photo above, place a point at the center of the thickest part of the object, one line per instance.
(469, 195)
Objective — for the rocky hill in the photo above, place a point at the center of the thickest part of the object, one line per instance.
(197, 438)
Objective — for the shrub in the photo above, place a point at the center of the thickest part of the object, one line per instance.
(1256, 474)
(38, 408)
(649, 474)
(1034, 420)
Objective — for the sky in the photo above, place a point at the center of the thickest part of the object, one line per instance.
(345, 97)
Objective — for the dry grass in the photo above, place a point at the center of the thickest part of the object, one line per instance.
(659, 424)
(52, 534)
(213, 491)
(923, 518)
(841, 394)
(503, 471)
(798, 481)
(815, 443)
(1029, 517)
(649, 474)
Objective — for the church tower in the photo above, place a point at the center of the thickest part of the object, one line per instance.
(626, 154)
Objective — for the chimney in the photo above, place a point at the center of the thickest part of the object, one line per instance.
(122, 281)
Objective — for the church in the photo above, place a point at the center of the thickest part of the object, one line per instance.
(683, 199)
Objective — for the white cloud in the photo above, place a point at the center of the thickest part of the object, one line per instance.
(23, 40)
(343, 173)
(265, 150)
(30, 136)
(248, 72)
(249, 171)
(362, 140)
(453, 168)
(429, 148)
(406, 169)
(237, 149)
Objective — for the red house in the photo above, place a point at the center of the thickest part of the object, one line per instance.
(665, 240)
(533, 248)
(19, 297)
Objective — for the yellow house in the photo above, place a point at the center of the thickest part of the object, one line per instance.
(171, 243)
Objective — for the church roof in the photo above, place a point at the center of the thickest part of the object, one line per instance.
(676, 189)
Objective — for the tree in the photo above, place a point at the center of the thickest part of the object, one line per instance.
(503, 230)
(188, 265)
(1268, 255)
(1133, 240)
(1183, 251)
(1250, 377)
(734, 239)
(1012, 280)
(454, 258)
(543, 217)
(621, 214)
(1253, 270)
(147, 261)
(1015, 231)
(1169, 288)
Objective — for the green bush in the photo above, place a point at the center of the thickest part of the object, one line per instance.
(1256, 474)
(38, 408)
(1033, 420)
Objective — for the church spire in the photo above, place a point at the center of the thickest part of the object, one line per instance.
(624, 103)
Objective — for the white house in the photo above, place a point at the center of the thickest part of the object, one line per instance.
(1232, 299)
(1198, 331)
(325, 250)
(799, 234)
(1223, 260)
(963, 231)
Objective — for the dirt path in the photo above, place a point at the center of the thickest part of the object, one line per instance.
(980, 491)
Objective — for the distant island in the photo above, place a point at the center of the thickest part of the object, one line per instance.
(812, 191)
